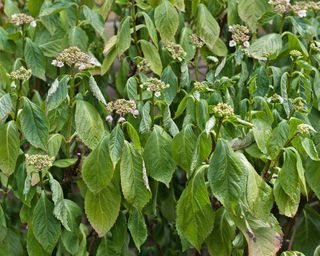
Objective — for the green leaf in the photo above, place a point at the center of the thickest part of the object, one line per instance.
(227, 175)
(10, 146)
(35, 59)
(102, 208)
(250, 11)
(167, 20)
(278, 139)
(151, 28)
(34, 6)
(124, 36)
(270, 44)
(134, 180)
(89, 125)
(34, 124)
(54, 144)
(57, 93)
(97, 170)
(46, 227)
(207, 27)
(5, 106)
(194, 211)
(307, 231)
(219, 242)
(310, 148)
(151, 54)
(78, 37)
(286, 188)
(94, 19)
(116, 144)
(64, 163)
(313, 176)
(60, 209)
(145, 124)
(133, 135)
(157, 155)
(33, 246)
(137, 227)
(10, 7)
(184, 144)
(94, 88)
(202, 151)
(261, 130)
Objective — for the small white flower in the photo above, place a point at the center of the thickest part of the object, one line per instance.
(60, 64)
(121, 120)
(148, 89)
(288, 1)
(135, 112)
(54, 62)
(232, 43)
(13, 16)
(302, 13)
(13, 85)
(82, 66)
(157, 94)
(33, 24)
(246, 44)
(230, 27)
(109, 119)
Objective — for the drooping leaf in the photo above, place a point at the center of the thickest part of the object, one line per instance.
(167, 20)
(97, 170)
(194, 211)
(134, 181)
(9, 150)
(46, 227)
(102, 208)
(35, 59)
(226, 174)
(116, 144)
(5, 106)
(207, 27)
(124, 36)
(137, 227)
(158, 156)
(34, 124)
(96, 90)
(151, 54)
(89, 125)
(57, 93)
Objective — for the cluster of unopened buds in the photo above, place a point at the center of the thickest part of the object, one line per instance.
(299, 8)
(304, 129)
(154, 85)
(176, 51)
(74, 57)
(121, 107)
(275, 98)
(298, 105)
(196, 41)
(295, 54)
(315, 46)
(144, 66)
(39, 162)
(201, 86)
(240, 35)
(19, 19)
(20, 74)
(223, 110)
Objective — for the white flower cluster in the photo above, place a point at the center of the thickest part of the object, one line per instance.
(73, 56)
(154, 85)
(19, 19)
(240, 35)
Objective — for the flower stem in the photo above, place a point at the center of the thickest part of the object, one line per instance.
(18, 100)
(196, 65)
(69, 124)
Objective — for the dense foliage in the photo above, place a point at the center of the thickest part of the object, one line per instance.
(192, 131)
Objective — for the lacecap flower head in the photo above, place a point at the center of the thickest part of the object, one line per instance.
(19, 19)
(176, 51)
(154, 85)
(240, 35)
(20, 74)
(223, 110)
(122, 107)
(74, 57)
(196, 41)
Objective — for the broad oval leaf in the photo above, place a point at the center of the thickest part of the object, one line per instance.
(89, 125)
(194, 211)
(34, 125)
(157, 155)
(10, 145)
(97, 170)
(102, 208)
(134, 181)
(46, 227)
(35, 59)
(167, 20)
